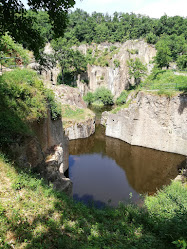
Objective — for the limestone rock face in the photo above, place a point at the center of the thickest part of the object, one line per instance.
(152, 121)
(68, 95)
(81, 129)
(114, 78)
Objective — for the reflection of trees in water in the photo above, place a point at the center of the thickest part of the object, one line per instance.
(146, 169)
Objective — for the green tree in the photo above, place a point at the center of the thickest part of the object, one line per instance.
(151, 38)
(182, 62)
(104, 95)
(163, 55)
(136, 69)
(89, 98)
(15, 20)
(71, 61)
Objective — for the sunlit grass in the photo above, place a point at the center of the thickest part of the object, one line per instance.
(33, 215)
(72, 114)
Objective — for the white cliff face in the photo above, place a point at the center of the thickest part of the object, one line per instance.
(81, 129)
(116, 79)
(152, 121)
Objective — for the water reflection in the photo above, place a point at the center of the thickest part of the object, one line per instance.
(107, 169)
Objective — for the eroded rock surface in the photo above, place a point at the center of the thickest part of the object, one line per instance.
(152, 121)
(114, 78)
(71, 98)
(68, 95)
(46, 152)
(81, 129)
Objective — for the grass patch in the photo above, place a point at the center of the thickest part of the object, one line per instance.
(33, 215)
(71, 115)
(165, 80)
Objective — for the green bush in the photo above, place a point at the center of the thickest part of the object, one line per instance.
(113, 48)
(101, 95)
(23, 100)
(122, 98)
(9, 48)
(54, 106)
(116, 63)
(104, 95)
(182, 62)
(168, 212)
(98, 103)
(89, 98)
(151, 38)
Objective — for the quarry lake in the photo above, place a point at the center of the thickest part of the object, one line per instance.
(105, 170)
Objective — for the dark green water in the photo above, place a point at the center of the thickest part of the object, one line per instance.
(107, 170)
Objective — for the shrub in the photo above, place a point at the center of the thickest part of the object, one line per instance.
(182, 62)
(116, 63)
(98, 103)
(23, 99)
(104, 95)
(112, 48)
(9, 48)
(122, 98)
(89, 98)
(168, 212)
(151, 38)
(54, 106)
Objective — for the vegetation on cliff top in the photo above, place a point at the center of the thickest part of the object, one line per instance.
(72, 114)
(165, 80)
(33, 215)
(23, 100)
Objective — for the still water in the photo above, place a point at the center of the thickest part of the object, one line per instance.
(105, 170)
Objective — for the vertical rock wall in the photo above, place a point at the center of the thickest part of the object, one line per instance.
(116, 79)
(152, 121)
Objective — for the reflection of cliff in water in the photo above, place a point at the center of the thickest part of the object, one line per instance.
(146, 169)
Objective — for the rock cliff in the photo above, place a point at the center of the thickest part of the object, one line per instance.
(46, 152)
(152, 121)
(80, 125)
(115, 78)
(82, 129)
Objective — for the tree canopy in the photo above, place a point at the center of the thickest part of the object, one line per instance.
(15, 19)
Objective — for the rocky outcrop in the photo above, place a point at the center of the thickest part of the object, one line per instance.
(46, 152)
(115, 78)
(81, 129)
(152, 121)
(68, 95)
(49, 73)
(50, 135)
(84, 124)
